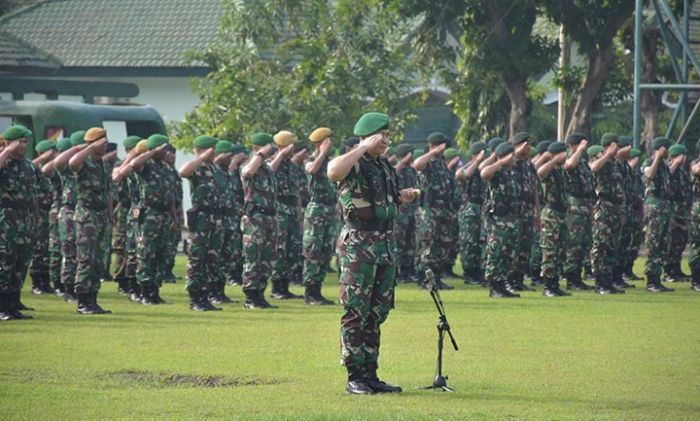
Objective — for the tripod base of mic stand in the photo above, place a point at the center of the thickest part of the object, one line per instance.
(440, 383)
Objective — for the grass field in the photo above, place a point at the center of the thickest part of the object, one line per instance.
(633, 356)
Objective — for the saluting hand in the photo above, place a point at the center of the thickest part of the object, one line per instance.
(660, 153)
(265, 150)
(326, 145)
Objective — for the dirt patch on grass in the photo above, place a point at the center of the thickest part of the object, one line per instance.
(167, 380)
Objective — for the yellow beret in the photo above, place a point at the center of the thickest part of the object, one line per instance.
(2, 140)
(142, 146)
(285, 138)
(320, 134)
(95, 133)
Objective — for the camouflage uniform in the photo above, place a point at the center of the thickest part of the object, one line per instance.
(694, 255)
(607, 214)
(527, 217)
(39, 266)
(174, 183)
(580, 190)
(535, 262)
(553, 219)
(66, 230)
(366, 251)
(501, 222)
(406, 224)
(121, 206)
(470, 229)
(656, 209)
(453, 226)
(298, 175)
(106, 244)
(232, 252)
(288, 222)
(54, 237)
(680, 200)
(635, 221)
(132, 233)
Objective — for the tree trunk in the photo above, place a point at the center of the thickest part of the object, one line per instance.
(651, 100)
(599, 65)
(516, 87)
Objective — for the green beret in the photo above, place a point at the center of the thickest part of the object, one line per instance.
(156, 140)
(236, 149)
(261, 139)
(45, 145)
(623, 141)
(403, 150)
(468, 156)
(77, 138)
(494, 142)
(205, 142)
(504, 149)
(607, 139)
(450, 153)
(575, 138)
(635, 153)
(660, 142)
(223, 146)
(477, 147)
(594, 150)
(520, 138)
(371, 123)
(543, 145)
(676, 150)
(63, 145)
(16, 131)
(556, 148)
(391, 151)
(130, 142)
(437, 138)
(418, 152)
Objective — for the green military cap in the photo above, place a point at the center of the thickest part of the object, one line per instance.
(623, 141)
(261, 139)
(371, 123)
(660, 142)
(300, 146)
(520, 138)
(437, 138)
(156, 140)
(391, 151)
(450, 153)
(607, 139)
(77, 138)
(635, 153)
(130, 142)
(504, 149)
(205, 142)
(223, 146)
(556, 148)
(16, 131)
(594, 150)
(45, 145)
(543, 145)
(63, 145)
(236, 149)
(494, 142)
(418, 152)
(676, 150)
(477, 147)
(575, 138)
(468, 156)
(403, 150)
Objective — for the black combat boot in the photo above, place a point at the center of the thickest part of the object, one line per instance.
(357, 382)
(196, 300)
(16, 305)
(619, 281)
(69, 295)
(448, 272)
(603, 287)
(376, 385)
(289, 295)
(472, 277)
(5, 313)
(122, 285)
(277, 291)
(135, 291)
(204, 299)
(519, 284)
(629, 273)
(156, 295)
(312, 296)
(218, 295)
(96, 307)
(574, 282)
(680, 274)
(251, 300)
(654, 285)
(498, 290)
(695, 279)
(442, 285)
(236, 277)
(147, 295)
(84, 303)
(550, 288)
(262, 301)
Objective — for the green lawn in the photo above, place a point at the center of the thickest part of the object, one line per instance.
(633, 356)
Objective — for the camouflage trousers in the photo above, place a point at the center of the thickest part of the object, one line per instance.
(66, 233)
(232, 250)
(16, 235)
(631, 239)
(580, 235)
(501, 251)
(316, 247)
(367, 281)
(259, 234)
(405, 227)
(452, 244)
(470, 239)
(119, 241)
(527, 228)
(288, 244)
(656, 235)
(152, 246)
(607, 223)
(552, 242)
(106, 246)
(174, 238)
(39, 266)
(205, 240)
(432, 238)
(694, 256)
(535, 263)
(90, 229)
(54, 249)
(679, 217)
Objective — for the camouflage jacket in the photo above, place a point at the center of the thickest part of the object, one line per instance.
(502, 193)
(680, 188)
(68, 187)
(302, 185)
(204, 190)
(287, 186)
(527, 183)
(44, 189)
(320, 187)
(18, 185)
(554, 185)
(637, 192)
(579, 181)
(154, 191)
(658, 187)
(609, 184)
(370, 191)
(56, 190)
(437, 185)
(259, 190)
(474, 189)
(92, 188)
(408, 179)
(226, 201)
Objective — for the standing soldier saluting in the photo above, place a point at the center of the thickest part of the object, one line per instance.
(370, 198)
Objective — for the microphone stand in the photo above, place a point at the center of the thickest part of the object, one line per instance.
(443, 327)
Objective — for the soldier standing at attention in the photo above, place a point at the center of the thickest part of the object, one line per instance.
(299, 157)
(437, 188)
(406, 219)
(452, 159)
(694, 256)
(287, 217)
(680, 200)
(232, 257)
(469, 216)
(258, 222)
(319, 218)
(174, 183)
(91, 218)
(636, 216)
(55, 257)
(18, 211)
(370, 198)
(109, 160)
(204, 222)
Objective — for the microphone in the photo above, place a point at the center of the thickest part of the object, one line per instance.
(430, 279)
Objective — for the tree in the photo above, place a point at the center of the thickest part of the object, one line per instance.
(299, 64)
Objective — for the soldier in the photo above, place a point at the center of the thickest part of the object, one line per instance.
(539, 156)
(694, 256)
(680, 200)
(18, 179)
(287, 216)
(319, 218)
(300, 154)
(174, 182)
(406, 219)
(109, 161)
(501, 220)
(370, 198)
(636, 216)
(469, 215)
(258, 222)
(432, 218)
(204, 220)
(39, 266)
(624, 144)
(55, 257)
(580, 196)
(233, 255)
(452, 159)
(91, 218)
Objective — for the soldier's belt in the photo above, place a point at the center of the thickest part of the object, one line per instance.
(250, 209)
(374, 225)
